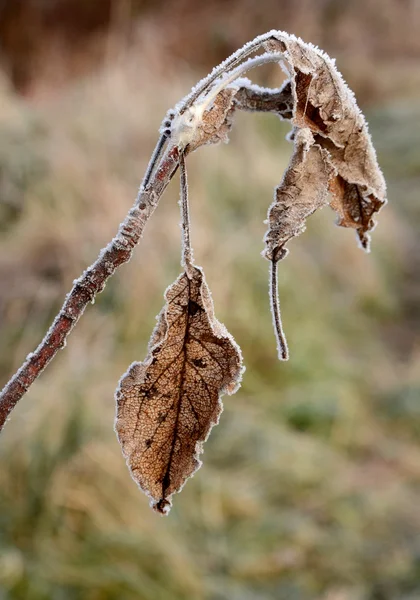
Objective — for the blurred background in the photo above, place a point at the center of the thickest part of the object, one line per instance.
(310, 484)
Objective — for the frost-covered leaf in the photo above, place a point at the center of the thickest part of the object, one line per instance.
(217, 122)
(324, 105)
(333, 160)
(304, 188)
(167, 405)
(202, 124)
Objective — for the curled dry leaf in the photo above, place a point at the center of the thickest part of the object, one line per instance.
(324, 108)
(303, 190)
(217, 121)
(197, 127)
(167, 405)
(333, 160)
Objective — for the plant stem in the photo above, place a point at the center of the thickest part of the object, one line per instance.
(93, 281)
(282, 349)
(185, 216)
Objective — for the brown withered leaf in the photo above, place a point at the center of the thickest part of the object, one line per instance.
(333, 160)
(167, 405)
(303, 190)
(325, 106)
(216, 121)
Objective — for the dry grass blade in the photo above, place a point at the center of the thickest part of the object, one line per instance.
(167, 404)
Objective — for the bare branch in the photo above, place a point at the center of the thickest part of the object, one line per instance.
(92, 282)
(154, 159)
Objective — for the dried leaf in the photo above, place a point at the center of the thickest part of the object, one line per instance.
(324, 105)
(199, 126)
(333, 160)
(167, 405)
(303, 190)
(217, 121)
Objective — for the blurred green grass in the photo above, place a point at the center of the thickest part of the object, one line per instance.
(310, 483)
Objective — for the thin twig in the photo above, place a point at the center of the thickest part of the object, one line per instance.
(282, 348)
(185, 215)
(90, 283)
(231, 76)
(153, 161)
(227, 64)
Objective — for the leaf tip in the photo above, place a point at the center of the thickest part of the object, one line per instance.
(162, 506)
(364, 241)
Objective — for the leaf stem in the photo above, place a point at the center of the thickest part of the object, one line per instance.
(282, 349)
(185, 216)
(223, 67)
(231, 76)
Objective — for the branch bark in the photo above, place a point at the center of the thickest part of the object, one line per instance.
(92, 282)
